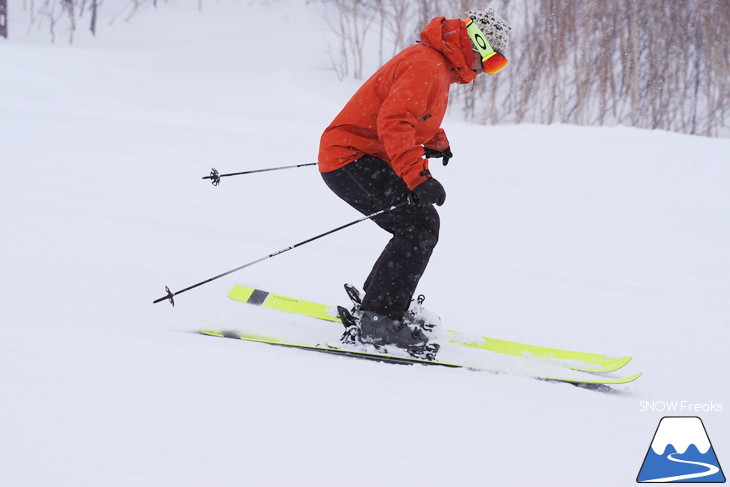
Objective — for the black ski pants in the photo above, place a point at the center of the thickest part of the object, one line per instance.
(369, 185)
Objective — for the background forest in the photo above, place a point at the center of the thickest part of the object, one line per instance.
(657, 64)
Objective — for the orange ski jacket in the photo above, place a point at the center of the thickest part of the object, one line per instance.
(401, 107)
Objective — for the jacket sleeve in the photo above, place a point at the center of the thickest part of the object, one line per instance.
(439, 142)
(405, 104)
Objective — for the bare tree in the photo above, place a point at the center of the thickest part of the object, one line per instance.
(68, 6)
(653, 64)
(351, 22)
(3, 18)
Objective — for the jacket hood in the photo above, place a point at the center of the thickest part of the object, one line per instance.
(450, 38)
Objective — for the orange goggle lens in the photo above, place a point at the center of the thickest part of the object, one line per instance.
(494, 63)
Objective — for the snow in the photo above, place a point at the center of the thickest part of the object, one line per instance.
(610, 240)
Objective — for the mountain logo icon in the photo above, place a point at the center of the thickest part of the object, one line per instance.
(681, 452)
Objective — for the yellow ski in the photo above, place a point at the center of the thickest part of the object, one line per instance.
(584, 361)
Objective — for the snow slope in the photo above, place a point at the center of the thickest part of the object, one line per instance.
(611, 240)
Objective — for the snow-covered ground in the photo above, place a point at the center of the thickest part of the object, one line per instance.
(612, 240)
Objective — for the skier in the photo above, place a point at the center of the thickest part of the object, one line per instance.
(374, 155)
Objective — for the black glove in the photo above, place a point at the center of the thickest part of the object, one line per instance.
(446, 154)
(429, 192)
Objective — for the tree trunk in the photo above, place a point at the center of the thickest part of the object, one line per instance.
(4, 18)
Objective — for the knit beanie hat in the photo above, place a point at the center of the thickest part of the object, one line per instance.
(494, 27)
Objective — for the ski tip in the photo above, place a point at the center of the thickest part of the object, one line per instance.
(605, 381)
(622, 362)
(609, 365)
(634, 377)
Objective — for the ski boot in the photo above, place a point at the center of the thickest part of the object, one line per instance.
(380, 331)
(426, 320)
(416, 315)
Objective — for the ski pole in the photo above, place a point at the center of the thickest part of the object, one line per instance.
(170, 295)
(215, 176)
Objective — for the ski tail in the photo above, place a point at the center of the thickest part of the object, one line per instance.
(265, 299)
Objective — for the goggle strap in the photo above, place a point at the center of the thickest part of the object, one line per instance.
(479, 39)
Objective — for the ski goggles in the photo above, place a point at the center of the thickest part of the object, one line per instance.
(492, 61)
